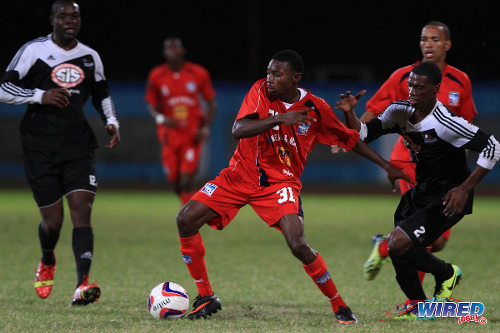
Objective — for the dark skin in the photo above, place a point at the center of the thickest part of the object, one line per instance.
(282, 81)
(66, 22)
(422, 96)
(174, 53)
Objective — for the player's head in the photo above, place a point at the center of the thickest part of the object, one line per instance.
(284, 72)
(173, 50)
(435, 42)
(423, 83)
(65, 19)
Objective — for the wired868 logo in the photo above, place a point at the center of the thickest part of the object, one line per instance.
(439, 308)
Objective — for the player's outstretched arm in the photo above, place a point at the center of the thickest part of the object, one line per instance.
(248, 127)
(393, 173)
(346, 104)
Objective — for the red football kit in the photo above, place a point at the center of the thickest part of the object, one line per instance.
(455, 92)
(176, 95)
(264, 170)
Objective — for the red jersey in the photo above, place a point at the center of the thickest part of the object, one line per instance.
(176, 95)
(455, 92)
(279, 154)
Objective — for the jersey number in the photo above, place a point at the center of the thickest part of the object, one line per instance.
(419, 232)
(286, 194)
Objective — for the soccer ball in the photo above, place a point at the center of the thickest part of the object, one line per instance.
(168, 300)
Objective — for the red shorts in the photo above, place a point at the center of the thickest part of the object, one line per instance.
(180, 159)
(227, 193)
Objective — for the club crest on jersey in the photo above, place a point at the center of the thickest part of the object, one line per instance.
(284, 155)
(67, 75)
(87, 63)
(453, 98)
(303, 129)
(429, 138)
(191, 86)
(209, 189)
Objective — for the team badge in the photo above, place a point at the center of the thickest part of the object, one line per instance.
(191, 86)
(87, 63)
(429, 138)
(453, 98)
(303, 129)
(67, 75)
(209, 189)
(284, 155)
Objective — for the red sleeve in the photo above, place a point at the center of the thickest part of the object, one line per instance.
(254, 101)
(206, 87)
(152, 91)
(467, 109)
(385, 95)
(332, 131)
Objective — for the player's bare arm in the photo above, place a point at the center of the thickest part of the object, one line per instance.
(393, 173)
(160, 118)
(248, 127)
(346, 104)
(56, 96)
(204, 131)
(454, 201)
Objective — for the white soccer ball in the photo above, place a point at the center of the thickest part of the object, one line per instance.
(168, 300)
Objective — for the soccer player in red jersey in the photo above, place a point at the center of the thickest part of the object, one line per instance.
(172, 95)
(455, 93)
(278, 124)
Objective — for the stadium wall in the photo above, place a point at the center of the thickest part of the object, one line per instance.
(136, 161)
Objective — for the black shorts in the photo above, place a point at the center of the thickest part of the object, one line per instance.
(420, 215)
(52, 175)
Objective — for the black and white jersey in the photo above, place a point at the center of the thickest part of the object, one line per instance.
(41, 65)
(438, 141)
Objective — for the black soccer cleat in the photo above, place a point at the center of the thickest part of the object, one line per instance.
(204, 306)
(345, 316)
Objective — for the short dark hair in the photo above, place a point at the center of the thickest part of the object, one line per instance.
(446, 29)
(429, 69)
(293, 58)
(57, 3)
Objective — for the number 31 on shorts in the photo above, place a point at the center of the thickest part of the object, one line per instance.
(286, 194)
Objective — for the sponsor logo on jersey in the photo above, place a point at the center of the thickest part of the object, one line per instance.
(454, 98)
(209, 189)
(67, 75)
(191, 86)
(284, 155)
(303, 128)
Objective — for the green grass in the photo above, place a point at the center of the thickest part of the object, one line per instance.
(262, 287)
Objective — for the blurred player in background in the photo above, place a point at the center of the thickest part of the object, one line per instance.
(172, 95)
(55, 75)
(444, 193)
(455, 93)
(278, 124)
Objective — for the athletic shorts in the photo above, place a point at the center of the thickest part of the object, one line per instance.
(52, 175)
(420, 215)
(227, 193)
(180, 159)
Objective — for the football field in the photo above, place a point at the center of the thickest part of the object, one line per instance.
(262, 287)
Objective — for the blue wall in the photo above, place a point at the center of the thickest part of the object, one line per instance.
(137, 159)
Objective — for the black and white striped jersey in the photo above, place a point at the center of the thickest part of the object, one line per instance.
(41, 65)
(438, 141)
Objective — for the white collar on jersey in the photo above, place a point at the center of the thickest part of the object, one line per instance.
(303, 93)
